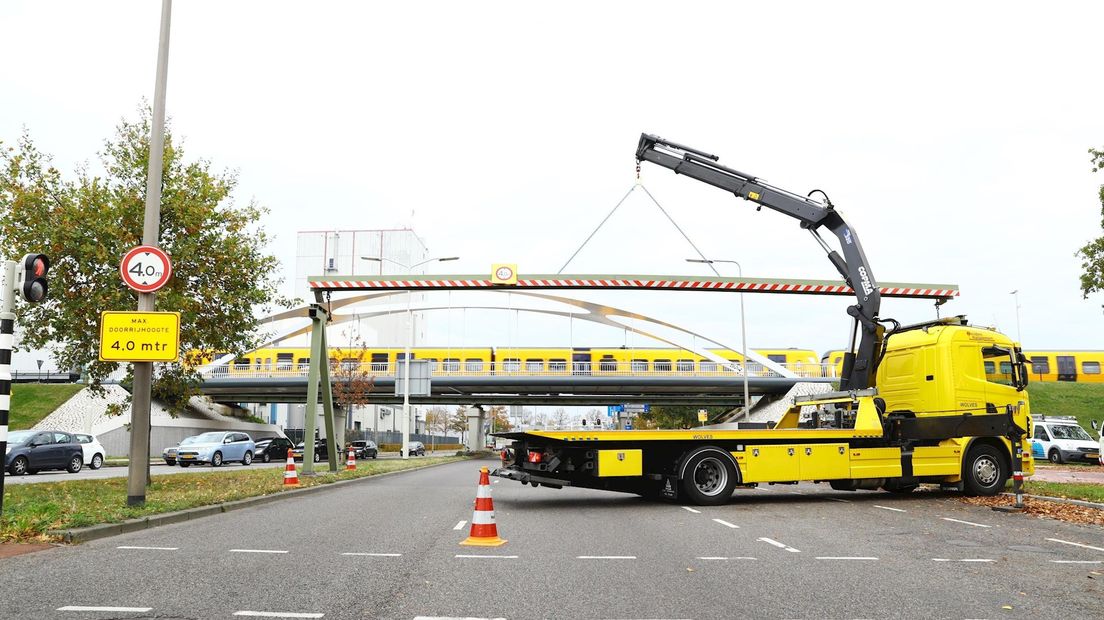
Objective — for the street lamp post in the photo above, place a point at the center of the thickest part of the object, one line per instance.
(1016, 297)
(743, 327)
(409, 346)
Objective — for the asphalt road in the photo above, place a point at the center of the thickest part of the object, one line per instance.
(160, 468)
(388, 548)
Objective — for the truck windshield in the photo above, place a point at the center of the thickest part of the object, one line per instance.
(1069, 431)
(1001, 366)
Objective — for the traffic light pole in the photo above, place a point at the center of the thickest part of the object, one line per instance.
(7, 328)
(138, 470)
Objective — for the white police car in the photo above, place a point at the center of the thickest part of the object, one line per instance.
(1060, 439)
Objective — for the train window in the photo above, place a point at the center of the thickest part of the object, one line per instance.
(707, 366)
(242, 363)
(473, 365)
(663, 365)
(379, 362)
(534, 365)
(304, 363)
(268, 363)
(778, 359)
(1090, 368)
(639, 366)
(1040, 365)
(557, 365)
(432, 363)
(284, 361)
(1006, 368)
(451, 364)
(685, 365)
(258, 363)
(511, 364)
(990, 368)
(350, 364)
(607, 364)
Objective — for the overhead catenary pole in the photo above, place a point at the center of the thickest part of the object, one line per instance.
(138, 470)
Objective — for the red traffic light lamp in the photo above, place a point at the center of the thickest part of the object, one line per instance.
(31, 277)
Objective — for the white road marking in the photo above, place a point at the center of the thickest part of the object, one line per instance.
(888, 508)
(495, 481)
(697, 512)
(491, 557)
(1078, 561)
(780, 545)
(256, 551)
(277, 615)
(970, 523)
(148, 548)
(713, 557)
(843, 557)
(375, 555)
(605, 557)
(837, 499)
(460, 525)
(90, 608)
(1066, 542)
(966, 560)
(726, 524)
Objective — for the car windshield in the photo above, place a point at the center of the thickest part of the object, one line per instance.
(188, 440)
(20, 436)
(1069, 431)
(208, 438)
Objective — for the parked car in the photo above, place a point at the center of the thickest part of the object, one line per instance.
(271, 448)
(216, 448)
(417, 448)
(365, 448)
(1061, 439)
(169, 454)
(93, 450)
(320, 450)
(32, 451)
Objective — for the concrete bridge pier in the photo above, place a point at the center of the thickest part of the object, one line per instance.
(476, 417)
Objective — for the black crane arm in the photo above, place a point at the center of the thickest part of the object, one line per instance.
(861, 362)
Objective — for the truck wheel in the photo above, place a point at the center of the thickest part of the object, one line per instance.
(1055, 456)
(984, 471)
(709, 478)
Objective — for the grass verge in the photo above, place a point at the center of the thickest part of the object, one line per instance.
(1065, 490)
(1080, 400)
(31, 402)
(31, 510)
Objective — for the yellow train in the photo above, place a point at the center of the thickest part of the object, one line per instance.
(528, 360)
(1044, 366)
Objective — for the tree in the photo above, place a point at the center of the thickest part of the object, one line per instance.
(459, 422)
(675, 416)
(1092, 254)
(559, 417)
(350, 376)
(500, 420)
(86, 223)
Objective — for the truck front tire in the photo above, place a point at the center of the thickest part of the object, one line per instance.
(709, 478)
(984, 472)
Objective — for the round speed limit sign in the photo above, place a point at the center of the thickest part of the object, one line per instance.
(146, 269)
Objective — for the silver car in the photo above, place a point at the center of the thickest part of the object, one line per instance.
(217, 448)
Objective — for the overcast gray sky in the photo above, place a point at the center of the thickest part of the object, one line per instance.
(952, 135)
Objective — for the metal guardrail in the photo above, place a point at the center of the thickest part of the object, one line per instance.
(686, 368)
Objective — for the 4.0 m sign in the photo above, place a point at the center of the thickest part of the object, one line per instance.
(139, 336)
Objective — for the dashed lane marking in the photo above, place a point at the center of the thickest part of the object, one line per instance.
(277, 615)
(92, 608)
(717, 557)
(460, 525)
(487, 557)
(148, 548)
(780, 545)
(837, 499)
(697, 512)
(844, 557)
(965, 560)
(727, 524)
(1066, 542)
(605, 557)
(1078, 561)
(970, 523)
(888, 508)
(257, 551)
(374, 555)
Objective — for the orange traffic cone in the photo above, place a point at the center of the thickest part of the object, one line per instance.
(484, 532)
(291, 477)
(350, 463)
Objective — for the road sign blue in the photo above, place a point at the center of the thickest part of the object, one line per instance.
(612, 409)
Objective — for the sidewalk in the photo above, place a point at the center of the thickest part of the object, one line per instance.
(1083, 475)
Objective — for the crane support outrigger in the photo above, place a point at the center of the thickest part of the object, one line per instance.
(916, 403)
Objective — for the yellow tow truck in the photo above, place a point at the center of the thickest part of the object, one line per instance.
(914, 406)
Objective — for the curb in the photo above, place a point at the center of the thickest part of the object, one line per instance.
(106, 530)
(1061, 500)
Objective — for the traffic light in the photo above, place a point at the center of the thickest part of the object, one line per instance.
(31, 279)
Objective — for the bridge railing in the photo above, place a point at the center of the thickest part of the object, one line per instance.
(481, 368)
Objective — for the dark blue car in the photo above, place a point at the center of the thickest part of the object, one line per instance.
(32, 451)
